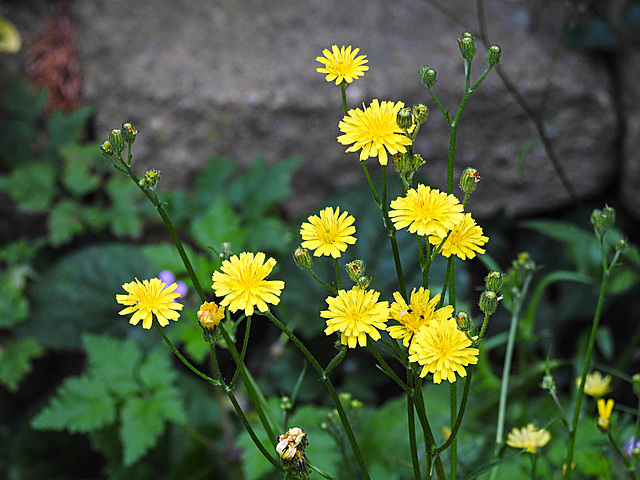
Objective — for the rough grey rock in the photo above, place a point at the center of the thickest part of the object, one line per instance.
(202, 78)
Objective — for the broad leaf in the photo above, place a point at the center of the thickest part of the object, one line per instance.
(16, 361)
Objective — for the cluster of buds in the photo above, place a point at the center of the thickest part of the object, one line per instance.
(150, 179)
(290, 448)
(521, 268)
(119, 139)
(603, 220)
(489, 298)
(209, 317)
(406, 164)
(355, 271)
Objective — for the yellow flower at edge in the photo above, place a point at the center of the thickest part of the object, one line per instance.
(356, 313)
(426, 211)
(148, 298)
(529, 438)
(242, 283)
(342, 65)
(329, 233)
(442, 349)
(10, 39)
(464, 241)
(374, 131)
(420, 311)
(604, 413)
(596, 385)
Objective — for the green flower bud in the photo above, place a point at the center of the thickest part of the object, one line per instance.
(467, 46)
(548, 383)
(355, 269)
(286, 403)
(363, 282)
(225, 251)
(302, 258)
(463, 319)
(150, 179)
(469, 180)
(117, 142)
(404, 119)
(107, 149)
(428, 76)
(493, 281)
(635, 380)
(493, 55)
(488, 302)
(621, 244)
(420, 113)
(128, 133)
(603, 220)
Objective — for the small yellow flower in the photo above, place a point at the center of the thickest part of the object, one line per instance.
(342, 65)
(290, 448)
(209, 315)
(529, 438)
(464, 241)
(242, 283)
(420, 311)
(148, 298)
(329, 233)
(604, 412)
(595, 385)
(356, 313)
(10, 39)
(443, 350)
(426, 212)
(374, 131)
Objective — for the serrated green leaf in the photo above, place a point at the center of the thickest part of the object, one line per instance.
(77, 174)
(64, 128)
(65, 222)
(142, 423)
(16, 361)
(80, 405)
(267, 233)
(219, 223)
(124, 214)
(24, 101)
(156, 371)
(14, 135)
(189, 335)
(14, 306)
(213, 180)
(115, 362)
(31, 185)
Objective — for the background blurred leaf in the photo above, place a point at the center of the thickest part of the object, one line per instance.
(16, 361)
(31, 185)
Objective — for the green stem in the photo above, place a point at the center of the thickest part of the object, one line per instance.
(621, 454)
(384, 366)
(243, 352)
(461, 411)
(336, 265)
(332, 392)
(321, 282)
(429, 441)
(413, 444)
(453, 405)
(454, 127)
(343, 90)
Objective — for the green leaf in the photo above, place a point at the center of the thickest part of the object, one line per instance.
(25, 102)
(124, 215)
(64, 128)
(142, 423)
(218, 223)
(15, 361)
(156, 371)
(80, 405)
(32, 185)
(14, 305)
(77, 174)
(213, 180)
(65, 222)
(115, 362)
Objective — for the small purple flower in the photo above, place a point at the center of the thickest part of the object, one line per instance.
(630, 447)
(168, 278)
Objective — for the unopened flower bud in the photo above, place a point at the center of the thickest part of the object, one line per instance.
(355, 269)
(488, 302)
(493, 55)
(129, 132)
(404, 118)
(493, 281)
(420, 113)
(107, 149)
(363, 282)
(428, 76)
(469, 180)
(603, 220)
(467, 46)
(225, 251)
(548, 383)
(209, 316)
(463, 320)
(302, 258)
(150, 179)
(117, 142)
(286, 403)
(621, 244)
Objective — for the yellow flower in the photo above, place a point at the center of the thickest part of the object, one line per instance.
(596, 385)
(342, 65)
(374, 131)
(443, 350)
(355, 314)
(418, 313)
(242, 283)
(148, 298)
(604, 412)
(464, 241)
(329, 233)
(209, 315)
(10, 39)
(426, 212)
(529, 438)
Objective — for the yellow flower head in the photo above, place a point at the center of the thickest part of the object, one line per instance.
(209, 315)
(595, 385)
(426, 212)
(464, 241)
(420, 311)
(356, 313)
(529, 438)
(374, 131)
(10, 39)
(604, 412)
(242, 283)
(148, 298)
(342, 65)
(329, 233)
(443, 350)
